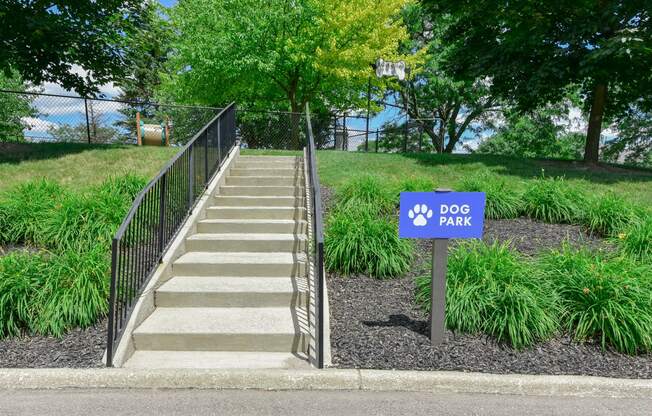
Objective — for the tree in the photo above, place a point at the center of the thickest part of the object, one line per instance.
(13, 109)
(538, 134)
(50, 41)
(534, 51)
(281, 54)
(633, 143)
(444, 107)
(146, 55)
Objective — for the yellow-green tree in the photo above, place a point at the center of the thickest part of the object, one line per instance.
(281, 53)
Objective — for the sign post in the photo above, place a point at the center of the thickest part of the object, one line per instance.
(440, 215)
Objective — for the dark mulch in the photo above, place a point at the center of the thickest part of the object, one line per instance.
(376, 324)
(78, 348)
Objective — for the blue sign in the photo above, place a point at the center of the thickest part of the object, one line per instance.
(441, 215)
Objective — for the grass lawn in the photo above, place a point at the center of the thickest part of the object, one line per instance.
(336, 168)
(76, 165)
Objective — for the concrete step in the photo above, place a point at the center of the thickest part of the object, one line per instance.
(224, 329)
(252, 226)
(218, 359)
(258, 201)
(199, 263)
(207, 291)
(256, 213)
(232, 180)
(262, 191)
(242, 242)
(263, 158)
(268, 165)
(267, 172)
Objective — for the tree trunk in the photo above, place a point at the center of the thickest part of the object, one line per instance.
(295, 120)
(592, 148)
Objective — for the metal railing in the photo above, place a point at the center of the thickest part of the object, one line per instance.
(157, 214)
(317, 243)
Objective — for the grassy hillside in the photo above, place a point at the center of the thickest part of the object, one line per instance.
(336, 168)
(76, 165)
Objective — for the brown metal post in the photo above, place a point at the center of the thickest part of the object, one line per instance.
(139, 139)
(438, 287)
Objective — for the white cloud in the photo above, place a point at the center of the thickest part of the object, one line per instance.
(35, 125)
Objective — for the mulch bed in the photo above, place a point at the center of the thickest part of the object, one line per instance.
(79, 348)
(376, 323)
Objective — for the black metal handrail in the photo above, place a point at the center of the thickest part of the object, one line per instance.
(157, 214)
(317, 235)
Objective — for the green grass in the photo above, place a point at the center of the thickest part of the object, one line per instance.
(553, 200)
(447, 171)
(368, 190)
(491, 289)
(636, 240)
(78, 166)
(503, 201)
(604, 297)
(610, 214)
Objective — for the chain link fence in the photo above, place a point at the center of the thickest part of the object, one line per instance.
(38, 117)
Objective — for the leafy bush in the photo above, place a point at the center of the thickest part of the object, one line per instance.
(609, 214)
(416, 184)
(603, 297)
(368, 190)
(636, 240)
(21, 275)
(503, 202)
(491, 289)
(23, 209)
(358, 241)
(553, 200)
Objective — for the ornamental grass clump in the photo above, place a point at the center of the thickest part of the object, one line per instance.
(604, 297)
(636, 240)
(358, 241)
(610, 214)
(503, 201)
(370, 191)
(491, 289)
(553, 200)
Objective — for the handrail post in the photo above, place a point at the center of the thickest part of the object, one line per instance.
(112, 296)
(161, 213)
(206, 157)
(219, 142)
(191, 175)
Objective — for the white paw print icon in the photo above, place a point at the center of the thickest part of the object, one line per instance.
(420, 215)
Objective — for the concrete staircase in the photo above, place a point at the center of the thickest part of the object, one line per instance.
(238, 296)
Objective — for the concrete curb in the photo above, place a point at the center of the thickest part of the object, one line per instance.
(332, 379)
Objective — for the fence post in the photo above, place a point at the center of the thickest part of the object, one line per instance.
(205, 157)
(88, 124)
(191, 175)
(161, 214)
(377, 140)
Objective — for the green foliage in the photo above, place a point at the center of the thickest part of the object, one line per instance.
(609, 214)
(491, 289)
(636, 240)
(13, 109)
(45, 41)
(21, 275)
(416, 184)
(553, 200)
(538, 134)
(370, 191)
(357, 240)
(24, 208)
(603, 297)
(503, 201)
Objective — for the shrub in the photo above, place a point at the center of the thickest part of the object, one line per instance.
(609, 214)
(368, 190)
(24, 208)
(416, 184)
(636, 240)
(603, 297)
(491, 289)
(21, 275)
(75, 291)
(358, 241)
(503, 202)
(552, 200)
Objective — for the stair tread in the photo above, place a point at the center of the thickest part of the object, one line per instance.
(217, 359)
(248, 236)
(180, 321)
(205, 257)
(253, 208)
(250, 221)
(210, 284)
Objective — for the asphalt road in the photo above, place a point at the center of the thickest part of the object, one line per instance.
(340, 403)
